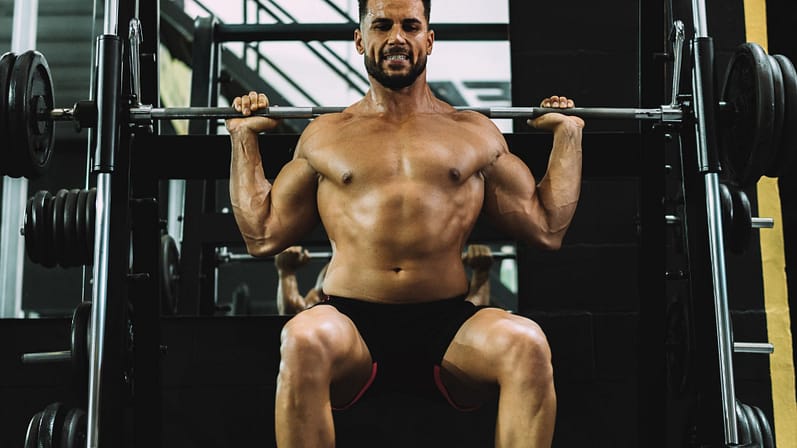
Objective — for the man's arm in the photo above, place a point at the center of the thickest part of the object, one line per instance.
(289, 300)
(541, 213)
(269, 216)
(479, 258)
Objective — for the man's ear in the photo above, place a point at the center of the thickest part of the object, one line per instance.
(429, 42)
(358, 41)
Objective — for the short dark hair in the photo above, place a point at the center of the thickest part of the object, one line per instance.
(427, 6)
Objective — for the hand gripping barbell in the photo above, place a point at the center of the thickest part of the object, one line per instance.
(754, 136)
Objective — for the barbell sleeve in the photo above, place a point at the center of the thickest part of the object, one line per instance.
(753, 347)
(34, 358)
(756, 223)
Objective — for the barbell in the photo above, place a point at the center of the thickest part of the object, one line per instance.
(224, 256)
(758, 102)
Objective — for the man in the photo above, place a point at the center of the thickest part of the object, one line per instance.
(477, 257)
(398, 180)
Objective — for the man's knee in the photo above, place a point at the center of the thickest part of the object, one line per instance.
(307, 338)
(524, 349)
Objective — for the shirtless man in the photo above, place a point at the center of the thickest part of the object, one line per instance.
(398, 180)
(477, 257)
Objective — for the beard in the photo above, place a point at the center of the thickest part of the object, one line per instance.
(395, 81)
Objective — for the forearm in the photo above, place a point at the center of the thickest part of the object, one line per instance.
(479, 292)
(289, 301)
(250, 192)
(560, 188)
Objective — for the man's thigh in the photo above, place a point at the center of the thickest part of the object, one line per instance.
(480, 354)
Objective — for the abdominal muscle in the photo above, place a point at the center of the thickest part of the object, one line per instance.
(399, 244)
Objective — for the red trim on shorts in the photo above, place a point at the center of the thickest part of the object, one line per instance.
(361, 392)
(439, 382)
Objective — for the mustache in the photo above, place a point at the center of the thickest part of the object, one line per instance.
(397, 52)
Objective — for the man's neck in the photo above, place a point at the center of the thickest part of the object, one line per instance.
(417, 97)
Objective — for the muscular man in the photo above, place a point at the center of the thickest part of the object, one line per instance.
(477, 257)
(398, 180)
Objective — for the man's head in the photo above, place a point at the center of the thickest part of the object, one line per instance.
(395, 39)
(363, 4)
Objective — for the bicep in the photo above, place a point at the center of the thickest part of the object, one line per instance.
(511, 200)
(293, 199)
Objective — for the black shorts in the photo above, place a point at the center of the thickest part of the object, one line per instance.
(407, 341)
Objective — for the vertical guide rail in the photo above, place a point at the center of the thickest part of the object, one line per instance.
(708, 163)
(109, 53)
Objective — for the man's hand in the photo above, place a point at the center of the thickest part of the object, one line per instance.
(291, 259)
(478, 257)
(552, 120)
(248, 104)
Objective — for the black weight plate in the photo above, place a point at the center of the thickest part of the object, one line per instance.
(742, 225)
(755, 429)
(780, 113)
(50, 425)
(91, 213)
(28, 231)
(81, 330)
(58, 224)
(747, 138)
(70, 234)
(42, 218)
(726, 202)
(767, 436)
(32, 436)
(787, 153)
(169, 278)
(80, 228)
(6, 66)
(742, 425)
(74, 430)
(30, 93)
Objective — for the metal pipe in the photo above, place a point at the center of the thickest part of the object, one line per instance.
(60, 356)
(756, 223)
(721, 309)
(99, 309)
(753, 347)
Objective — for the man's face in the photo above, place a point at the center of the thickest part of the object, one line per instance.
(395, 40)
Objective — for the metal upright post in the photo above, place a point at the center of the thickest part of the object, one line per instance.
(709, 165)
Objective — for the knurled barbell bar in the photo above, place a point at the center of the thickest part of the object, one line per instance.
(747, 135)
(223, 256)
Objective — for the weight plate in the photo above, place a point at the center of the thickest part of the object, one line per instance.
(28, 231)
(787, 152)
(169, 275)
(42, 218)
(767, 436)
(726, 202)
(70, 234)
(91, 212)
(32, 436)
(58, 224)
(74, 430)
(742, 225)
(755, 429)
(80, 228)
(747, 137)
(6, 66)
(743, 425)
(81, 329)
(50, 425)
(30, 96)
(780, 108)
